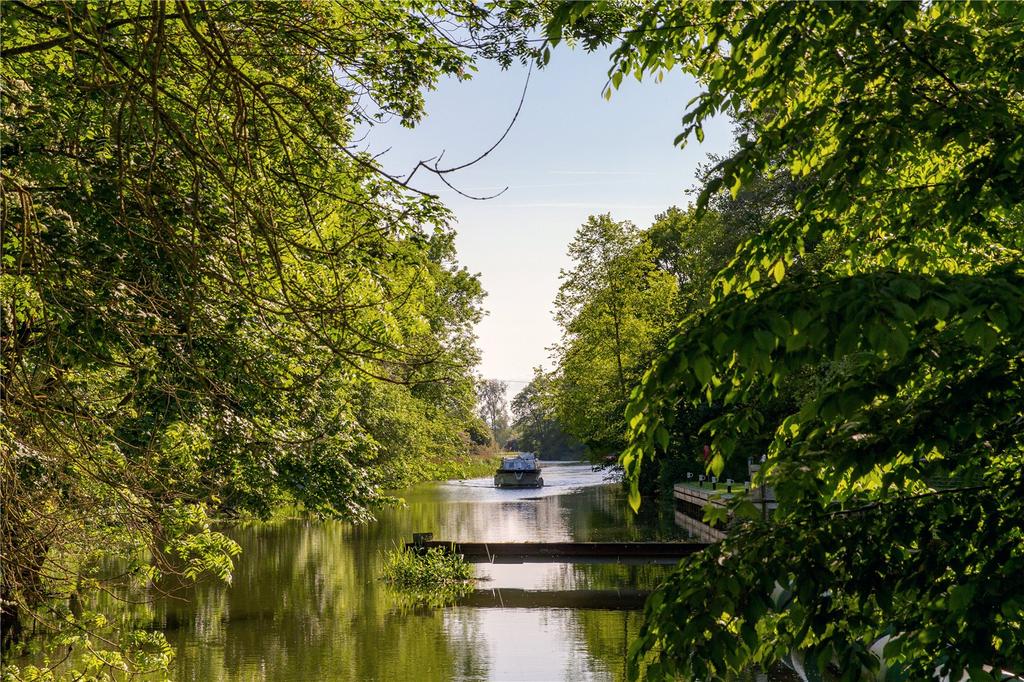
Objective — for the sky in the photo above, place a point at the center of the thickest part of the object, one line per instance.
(570, 154)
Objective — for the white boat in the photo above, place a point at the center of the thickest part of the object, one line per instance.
(521, 471)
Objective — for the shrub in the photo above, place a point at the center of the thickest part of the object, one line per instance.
(435, 568)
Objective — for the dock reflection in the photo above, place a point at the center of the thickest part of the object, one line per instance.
(512, 598)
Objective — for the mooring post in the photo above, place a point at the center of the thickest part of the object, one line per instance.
(420, 540)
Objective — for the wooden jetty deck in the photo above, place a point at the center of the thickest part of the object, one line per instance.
(691, 497)
(564, 552)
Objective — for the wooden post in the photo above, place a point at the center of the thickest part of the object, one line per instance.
(420, 540)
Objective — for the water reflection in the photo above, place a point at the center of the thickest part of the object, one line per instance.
(307, 602)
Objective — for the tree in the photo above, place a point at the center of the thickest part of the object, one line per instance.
(899, 473)
(695, 245)
(536, 421)
(205, 287)
(493, 407)
(610, 305)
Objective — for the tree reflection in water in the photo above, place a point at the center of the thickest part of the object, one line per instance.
(307, 602)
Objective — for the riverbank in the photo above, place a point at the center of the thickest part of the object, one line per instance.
(309, 601)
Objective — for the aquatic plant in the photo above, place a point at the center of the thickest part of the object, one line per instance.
(434, 577)
(433, 568)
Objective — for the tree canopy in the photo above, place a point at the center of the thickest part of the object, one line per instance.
(899, 470)
(537, 426)
(213, 301)
(611, 305)
(493, 407)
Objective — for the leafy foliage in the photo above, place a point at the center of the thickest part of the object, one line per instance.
(493, 407)
(611, 306)
(898, 469)
(537, 426)
(212, 301)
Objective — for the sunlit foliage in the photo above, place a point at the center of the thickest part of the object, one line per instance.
(211, 298)
(612, 303)
(899, 472)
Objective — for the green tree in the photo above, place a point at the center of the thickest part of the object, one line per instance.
(611, 306)
(205, 288)
(493, 407)
(695, 245)
(536, 424)
(899, 473)
(692, 246)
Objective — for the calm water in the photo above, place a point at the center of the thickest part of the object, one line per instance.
(307, 602)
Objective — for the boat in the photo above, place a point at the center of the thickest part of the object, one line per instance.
(521, 471)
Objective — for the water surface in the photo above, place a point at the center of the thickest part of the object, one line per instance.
(307, 602)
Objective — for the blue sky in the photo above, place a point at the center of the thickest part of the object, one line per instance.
(571, 154)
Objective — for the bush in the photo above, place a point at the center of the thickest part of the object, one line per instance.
(436, 578)
(433, 569)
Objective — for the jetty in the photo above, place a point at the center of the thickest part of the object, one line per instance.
(696, 493)
(560, 552)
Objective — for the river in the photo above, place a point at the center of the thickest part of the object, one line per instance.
(307, 602)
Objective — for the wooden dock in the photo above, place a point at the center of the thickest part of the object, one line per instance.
(564, 552)
(691, 498)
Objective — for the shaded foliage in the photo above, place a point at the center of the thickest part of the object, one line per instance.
(536, 424)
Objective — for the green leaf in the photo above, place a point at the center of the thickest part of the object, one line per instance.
(717, 464)
(960, 597)
(634, 495)
(661, 437)
(779, 271)
(702, 369)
